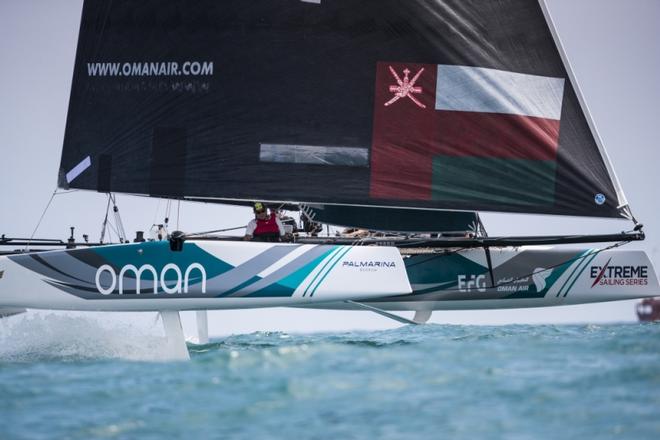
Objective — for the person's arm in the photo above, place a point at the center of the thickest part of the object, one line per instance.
(249, 229)
(280, 226)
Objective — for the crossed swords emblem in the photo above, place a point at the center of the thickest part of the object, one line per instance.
(406, 87)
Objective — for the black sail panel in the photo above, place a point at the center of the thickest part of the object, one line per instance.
(438, 104)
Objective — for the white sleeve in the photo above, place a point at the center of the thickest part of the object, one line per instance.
(249, 229)
(280, 226)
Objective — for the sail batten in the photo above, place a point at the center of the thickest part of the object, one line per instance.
(456, 105)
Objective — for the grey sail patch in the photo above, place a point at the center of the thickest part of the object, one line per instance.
(314, 155)
(78, 169)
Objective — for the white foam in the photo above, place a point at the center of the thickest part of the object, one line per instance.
(65, 336)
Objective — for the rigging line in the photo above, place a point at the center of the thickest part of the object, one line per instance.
(105, 220)
(168, 211)
(194, 234)
(111, 229)
(459, 250)
(118, 223)
(27, 245)
(67, 192)
(110, 232)
(156, 213)
(481, 228)
(178, 210)
(430, 257)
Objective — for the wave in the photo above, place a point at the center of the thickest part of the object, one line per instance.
(66, 336)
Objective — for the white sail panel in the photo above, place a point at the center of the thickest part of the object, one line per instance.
(476, 89)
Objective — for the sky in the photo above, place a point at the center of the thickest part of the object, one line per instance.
(612, 47)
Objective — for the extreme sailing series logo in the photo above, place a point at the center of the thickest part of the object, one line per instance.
(610, 275)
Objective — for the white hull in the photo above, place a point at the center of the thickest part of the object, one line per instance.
(240, 275)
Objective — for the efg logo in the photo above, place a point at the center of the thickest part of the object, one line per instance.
(181, 280)
(610, 275)
(469, 283)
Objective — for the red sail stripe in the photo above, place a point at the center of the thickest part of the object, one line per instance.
(494, 135)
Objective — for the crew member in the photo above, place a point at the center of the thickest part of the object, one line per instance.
(265, 226)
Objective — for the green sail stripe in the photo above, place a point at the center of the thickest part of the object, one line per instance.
(493, 180)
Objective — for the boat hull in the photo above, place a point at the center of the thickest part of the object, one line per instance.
(522, 278)
(236, 275)
(203, 275)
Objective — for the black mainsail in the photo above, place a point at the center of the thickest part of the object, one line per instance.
(461, 105)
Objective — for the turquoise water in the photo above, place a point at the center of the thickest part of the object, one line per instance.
(434, 381)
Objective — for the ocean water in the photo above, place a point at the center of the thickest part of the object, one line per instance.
(72, 378)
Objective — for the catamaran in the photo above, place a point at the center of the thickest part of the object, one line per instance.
(405, 119)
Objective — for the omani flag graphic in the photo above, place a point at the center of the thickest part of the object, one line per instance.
(464, 134)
